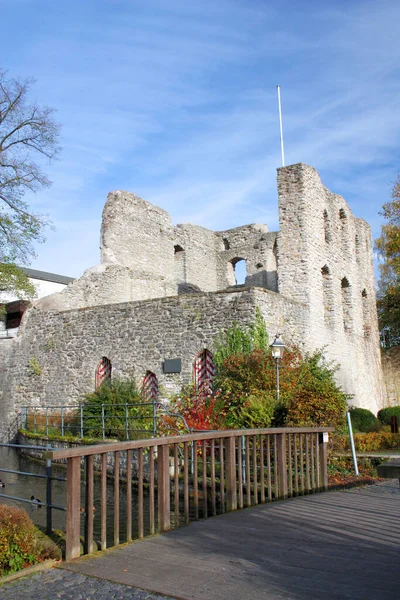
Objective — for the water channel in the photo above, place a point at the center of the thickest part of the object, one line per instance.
(23, 486)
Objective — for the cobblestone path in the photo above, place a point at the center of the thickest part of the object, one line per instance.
(60, 584)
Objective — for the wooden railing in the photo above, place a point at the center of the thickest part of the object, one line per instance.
(194, 475)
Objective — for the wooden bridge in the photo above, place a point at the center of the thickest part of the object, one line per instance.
(170, 481)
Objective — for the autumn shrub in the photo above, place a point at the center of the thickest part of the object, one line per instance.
(309, 395)
(367, 442)
(18, 545)
(363, 420)
(385, 413)
(202, 409)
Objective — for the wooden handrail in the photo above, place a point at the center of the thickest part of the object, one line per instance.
(177, 439)
(254, 465)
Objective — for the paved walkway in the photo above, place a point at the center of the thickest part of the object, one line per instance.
(334, 546)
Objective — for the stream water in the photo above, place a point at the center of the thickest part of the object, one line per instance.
(23, 486)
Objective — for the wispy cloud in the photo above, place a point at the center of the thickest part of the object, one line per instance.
(177, 101)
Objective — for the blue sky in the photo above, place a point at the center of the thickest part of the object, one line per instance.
(175, 100)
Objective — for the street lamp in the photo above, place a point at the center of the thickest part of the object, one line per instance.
(277, 348)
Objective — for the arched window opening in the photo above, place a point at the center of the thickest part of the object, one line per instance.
(365, 314)
(357, 244)
(179, 264)
(327, 296)
(103, 372)
(347, 305)
(203, 370)
(239, 270)
(327, 227)
(150, 387)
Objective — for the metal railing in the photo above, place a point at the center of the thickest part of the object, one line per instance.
(131, 421)
(228, 474)
(49, 477)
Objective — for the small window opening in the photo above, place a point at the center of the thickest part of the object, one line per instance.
(327, 296)
(239, 268)
(342, 213)
(366, 314)
(327, 227)
(347, 305)
(358, 247)
(226, 244)
(178, 249)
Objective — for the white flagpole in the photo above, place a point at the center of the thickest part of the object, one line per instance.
(280, 124)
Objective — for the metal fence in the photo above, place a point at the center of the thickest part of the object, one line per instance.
(124, 421)
(48, 477)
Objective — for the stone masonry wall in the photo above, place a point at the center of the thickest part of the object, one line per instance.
(391, 375)
(136, 337)
(325, 261)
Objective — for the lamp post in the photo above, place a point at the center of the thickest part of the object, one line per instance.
(277, 348)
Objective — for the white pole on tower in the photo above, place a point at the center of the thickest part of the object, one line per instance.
(280, 124)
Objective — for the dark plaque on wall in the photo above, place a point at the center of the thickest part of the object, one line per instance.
(172, 365)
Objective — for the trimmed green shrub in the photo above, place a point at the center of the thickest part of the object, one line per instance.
(18, 547)
(21, 543)
(363, 420)
(385, 413)
(120, 398)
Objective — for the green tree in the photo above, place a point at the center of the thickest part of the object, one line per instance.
(388, 247)
(28, 134)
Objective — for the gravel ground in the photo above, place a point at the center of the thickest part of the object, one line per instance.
(388, 487)
(61, 584)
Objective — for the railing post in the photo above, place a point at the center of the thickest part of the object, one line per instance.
(49, 522)
(81, 415)
(323, 460)
(24, 421)
(230, 470)
(164, 512)
(281, 463)
(73, 508)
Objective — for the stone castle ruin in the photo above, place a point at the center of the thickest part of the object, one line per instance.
(162, 292)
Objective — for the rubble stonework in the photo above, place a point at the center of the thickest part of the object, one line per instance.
(164, 291)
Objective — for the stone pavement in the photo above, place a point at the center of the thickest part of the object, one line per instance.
(60, 584)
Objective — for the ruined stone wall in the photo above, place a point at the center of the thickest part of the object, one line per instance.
(131, 309)
(254, 244)
(144, 256)
(136, 337)
(8, 409)
(325, 261)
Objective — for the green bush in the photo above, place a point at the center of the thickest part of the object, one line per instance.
(18, 546)
(385, 413)
(121, 398)
(363, 420)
